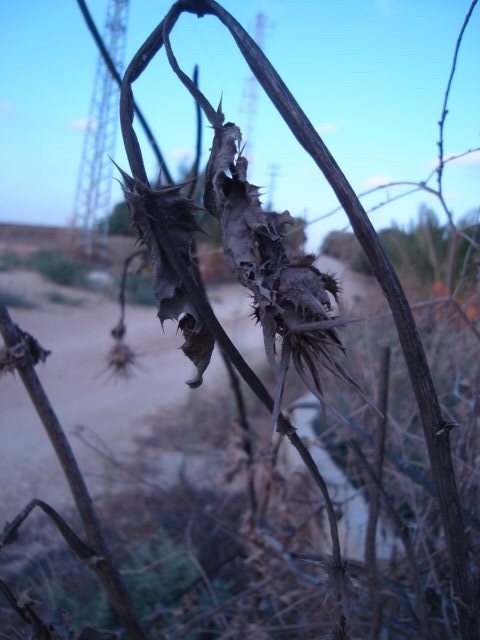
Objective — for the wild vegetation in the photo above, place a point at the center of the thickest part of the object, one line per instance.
(398, 414)
(420, 252)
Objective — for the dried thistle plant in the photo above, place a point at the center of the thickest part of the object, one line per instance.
(27, 347)
(121, 359)
(10, 357)
(292, 299)
(150, 209)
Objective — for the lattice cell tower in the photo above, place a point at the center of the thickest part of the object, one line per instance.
(250, 91)
(92, 198)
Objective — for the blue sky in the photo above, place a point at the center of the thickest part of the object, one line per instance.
(370, 75)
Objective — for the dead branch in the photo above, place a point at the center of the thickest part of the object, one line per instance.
(111, 581)
(441, 123)
(198, 145)
(404, 536)
(370, 538)
(10, 532)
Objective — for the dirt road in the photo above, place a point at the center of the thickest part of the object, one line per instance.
(81, 392)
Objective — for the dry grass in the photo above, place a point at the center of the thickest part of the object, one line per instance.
(196, 567)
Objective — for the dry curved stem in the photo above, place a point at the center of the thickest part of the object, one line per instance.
(127, 104)
(198, 144)
(306, 135)
(425, 393)
(121, 358)
(107, 572)
(421, 185)
(10, 531)
(441, 163)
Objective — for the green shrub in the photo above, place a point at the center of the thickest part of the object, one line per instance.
(15, 299)
(55, 297)
(120, 221)
(344, 246)
(139, 290)
(10, 260)
(59, 268)
(163, 574)
(420, 252)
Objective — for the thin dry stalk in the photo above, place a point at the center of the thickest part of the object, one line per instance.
(405, 538)
(198, 145)
(441, 123)
(379, 454)
(421, 185)
(121, 359)
(107, 572)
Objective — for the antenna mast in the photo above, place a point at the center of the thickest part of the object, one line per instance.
(92, 198)
(250, 91)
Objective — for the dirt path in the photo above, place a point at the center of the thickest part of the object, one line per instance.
(81, 393)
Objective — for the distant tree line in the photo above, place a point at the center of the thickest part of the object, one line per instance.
(421, 252)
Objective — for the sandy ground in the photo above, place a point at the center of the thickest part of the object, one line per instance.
(113, 411)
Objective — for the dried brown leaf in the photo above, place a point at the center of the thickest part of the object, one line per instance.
(198, 346)
(292, 299)
(150, 209)
(10, 357)
(27, 347)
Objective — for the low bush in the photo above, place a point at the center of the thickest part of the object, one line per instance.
(58, 267)
(55, 297)
(16, 299)
(10, 260)
(175, 563)
(120, 221)
(344, 246)
(139, 290)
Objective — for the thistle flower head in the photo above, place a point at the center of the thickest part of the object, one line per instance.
(121, 359)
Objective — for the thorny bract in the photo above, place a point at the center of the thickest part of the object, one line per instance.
(150, 208)
(292, 300)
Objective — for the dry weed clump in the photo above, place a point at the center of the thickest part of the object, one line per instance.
(408, 494)
(27, 348)
(121, 358)
(191, 569)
